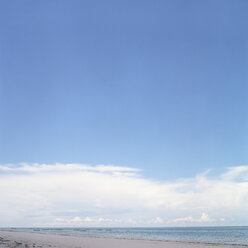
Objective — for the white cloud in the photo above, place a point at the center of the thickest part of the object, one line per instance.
(74, 194)
(239, 172)
(158, 220)
(60, 219)
(77, 219)
(44, 168)
(189, 219)
(87, 219)
(205, 218)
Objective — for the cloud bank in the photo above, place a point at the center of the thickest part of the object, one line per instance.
(104, 195)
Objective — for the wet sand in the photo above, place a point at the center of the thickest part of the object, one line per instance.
(17, 239)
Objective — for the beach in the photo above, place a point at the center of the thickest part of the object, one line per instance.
(45, 240)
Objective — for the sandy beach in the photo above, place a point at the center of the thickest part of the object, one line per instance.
(43, 240)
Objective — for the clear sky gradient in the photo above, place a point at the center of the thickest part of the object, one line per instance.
(155, 85)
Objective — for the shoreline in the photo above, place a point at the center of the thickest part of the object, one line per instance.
(15, 238)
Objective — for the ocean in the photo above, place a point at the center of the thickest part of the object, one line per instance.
(230, 235)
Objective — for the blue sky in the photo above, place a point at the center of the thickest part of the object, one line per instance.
(155, 85)
(146, 98)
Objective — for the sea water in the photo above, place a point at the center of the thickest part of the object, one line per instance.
(234, 235)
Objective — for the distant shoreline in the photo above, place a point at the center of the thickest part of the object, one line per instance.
(15, 238)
